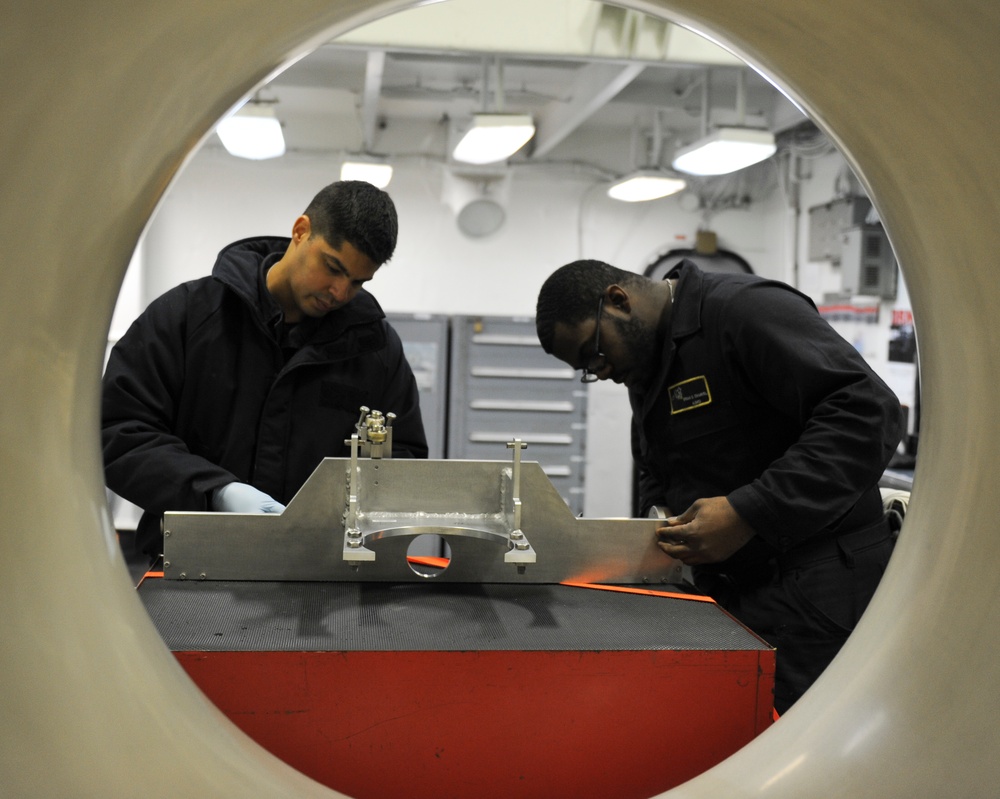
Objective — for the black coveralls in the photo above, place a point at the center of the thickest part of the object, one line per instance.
(208, 387)
(759, 400)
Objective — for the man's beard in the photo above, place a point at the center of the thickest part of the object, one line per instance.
(640, 341)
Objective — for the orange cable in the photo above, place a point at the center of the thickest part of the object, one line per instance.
(648, 591)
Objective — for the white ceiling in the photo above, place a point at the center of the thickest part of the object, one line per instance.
(398, 91)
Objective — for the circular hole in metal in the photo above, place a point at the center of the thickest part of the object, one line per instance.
(428, 555)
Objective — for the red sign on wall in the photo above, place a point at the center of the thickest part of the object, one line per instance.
(901, 318)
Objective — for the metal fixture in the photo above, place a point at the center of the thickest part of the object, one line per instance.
(354, 519)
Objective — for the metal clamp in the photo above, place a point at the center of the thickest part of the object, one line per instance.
(374, 433)
(355, 552)
(521, 552)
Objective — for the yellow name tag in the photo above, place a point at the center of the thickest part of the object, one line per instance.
(689, 394)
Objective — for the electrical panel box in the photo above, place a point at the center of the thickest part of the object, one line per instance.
(505, 386)
(868, 265)
(828, 222)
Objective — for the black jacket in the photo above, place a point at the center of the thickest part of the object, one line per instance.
(758, 399)
(205, 389)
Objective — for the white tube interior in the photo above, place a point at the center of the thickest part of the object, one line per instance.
(102, 103)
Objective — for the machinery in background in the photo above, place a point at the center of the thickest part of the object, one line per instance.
(485, 380)
(847, 231)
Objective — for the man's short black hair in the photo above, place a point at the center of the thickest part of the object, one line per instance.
(356, 212)
(570, 294)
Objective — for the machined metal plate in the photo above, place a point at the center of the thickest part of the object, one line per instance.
(473, 505)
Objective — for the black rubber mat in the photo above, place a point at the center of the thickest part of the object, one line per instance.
(261, 616)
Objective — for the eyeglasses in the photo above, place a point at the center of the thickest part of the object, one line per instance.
(597, 360)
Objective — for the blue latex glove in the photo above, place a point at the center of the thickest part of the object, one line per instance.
(243, 498)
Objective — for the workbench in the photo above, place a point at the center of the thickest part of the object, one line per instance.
(485, 690)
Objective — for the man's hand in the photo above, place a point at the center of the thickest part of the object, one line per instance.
(243, 498)
(707, 532)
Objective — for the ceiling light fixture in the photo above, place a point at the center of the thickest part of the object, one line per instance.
(253, 132)
(645, 184)
(494, 137)
(725, 150)
(373, 171)
(650, 182)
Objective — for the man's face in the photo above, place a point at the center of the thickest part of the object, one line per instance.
(322, 278)
(626, 349)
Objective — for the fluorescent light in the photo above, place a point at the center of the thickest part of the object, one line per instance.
(377, 173)
(494, 137)
(645, 184)
(252, 132)
(725, 150)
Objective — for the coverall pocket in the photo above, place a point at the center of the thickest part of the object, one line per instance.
(707, 420)
(823, 592)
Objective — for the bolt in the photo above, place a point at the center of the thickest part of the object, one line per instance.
(522, 545)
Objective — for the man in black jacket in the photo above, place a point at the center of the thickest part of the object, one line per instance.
(227, 392)
(760, 431)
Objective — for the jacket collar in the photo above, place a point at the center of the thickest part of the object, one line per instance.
(685, 319)
(686, 316)
(238, 265)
